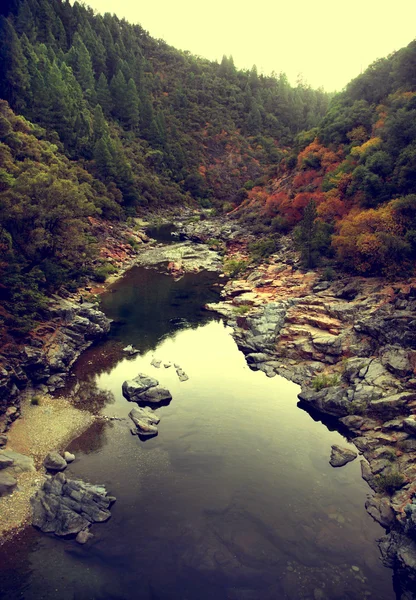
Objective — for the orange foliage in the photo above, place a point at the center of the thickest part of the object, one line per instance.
(306, 179)
(361, 240)
(332, 208)
(327, 159)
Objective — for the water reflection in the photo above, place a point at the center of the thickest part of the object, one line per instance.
(234, 499)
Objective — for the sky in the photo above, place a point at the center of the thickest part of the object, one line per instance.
(328, 42)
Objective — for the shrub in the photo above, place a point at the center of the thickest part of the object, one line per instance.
(390, 482)
(323, 381)
(262, 248)
(242, 309)
(133, 243)
(234, 267)
(102, 272)
(35, 401)
(328, 274)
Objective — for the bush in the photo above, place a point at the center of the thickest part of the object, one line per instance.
(324, 381)
(35, 401)
(101, 273)
(242, 309)
(262, 248)
(328, 274)
(133, 243)
(234, 267)
(390, 482)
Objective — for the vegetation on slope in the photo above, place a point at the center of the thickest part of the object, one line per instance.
(349, 186)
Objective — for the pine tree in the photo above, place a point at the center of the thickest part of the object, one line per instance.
(103, 94)
(130, 106)
(79, 59)
(118, 94)
(14, 76)
(100, 124)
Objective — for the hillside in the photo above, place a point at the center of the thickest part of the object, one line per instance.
(358, 168)
(98, 119)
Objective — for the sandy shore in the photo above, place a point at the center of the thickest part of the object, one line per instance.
(51, 425)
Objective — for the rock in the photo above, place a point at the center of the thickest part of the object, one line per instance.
(409, 425)
(7, 483)
(21, 462)
(390, 406)
(69, 457)
(55, 382)
(55, 462)
(397, 361)
(134, 387)
(67, 506)
(3, 440)
(167, 365)
(145, 421)
(156, 363)
(182, 375)
(380, 510)
(5, 462)
(154, 396)
(83, 536)
(341, 456)
(331, 400)
(131, 350)
(347, 291)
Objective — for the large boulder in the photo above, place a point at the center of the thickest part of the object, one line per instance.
(7, 483)
(145, 389)
(132, 388)
(341, 456)
(65, 506)
(55, 462)
(155, 396)
(145, 421)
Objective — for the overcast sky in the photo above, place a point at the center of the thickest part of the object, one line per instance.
(329, 42)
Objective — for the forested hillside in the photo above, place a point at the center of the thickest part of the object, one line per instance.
(98, 118)
(356, 173)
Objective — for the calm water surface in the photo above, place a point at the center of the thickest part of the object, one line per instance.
(235, 499)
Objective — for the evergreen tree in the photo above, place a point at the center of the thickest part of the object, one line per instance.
(14, 76)
(103, 94)
(130, 106)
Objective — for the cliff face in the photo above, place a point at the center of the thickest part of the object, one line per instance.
(54, 347)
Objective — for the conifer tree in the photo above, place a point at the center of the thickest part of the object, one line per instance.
(103, 94)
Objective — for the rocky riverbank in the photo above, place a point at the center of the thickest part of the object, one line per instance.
(30, 372)
(350, 342)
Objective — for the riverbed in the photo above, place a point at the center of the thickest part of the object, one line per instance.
(234, 499)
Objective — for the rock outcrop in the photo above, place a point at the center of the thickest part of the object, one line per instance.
(66, 507)
(52, 350)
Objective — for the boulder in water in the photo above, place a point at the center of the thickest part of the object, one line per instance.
(67, 506)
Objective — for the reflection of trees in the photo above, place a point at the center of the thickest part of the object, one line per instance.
(90, 397)
(93, 439)
(147, 306)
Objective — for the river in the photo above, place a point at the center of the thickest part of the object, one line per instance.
(234, 499)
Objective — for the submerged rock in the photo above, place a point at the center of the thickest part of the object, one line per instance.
(341, 456)
(182, 375)
(67, 506)
(145, 421)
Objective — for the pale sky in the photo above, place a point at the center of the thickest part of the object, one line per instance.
(329, 42)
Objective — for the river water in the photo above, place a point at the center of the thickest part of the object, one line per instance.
(234, 499)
